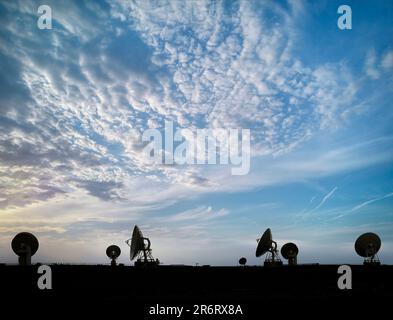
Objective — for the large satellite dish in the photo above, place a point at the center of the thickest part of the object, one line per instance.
(367, 245)
(113, 252)
(267, 245)
(25, 245)
(289, 251)
(140, 249)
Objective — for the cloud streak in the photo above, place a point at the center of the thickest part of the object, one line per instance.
(366, 203)
(326, 198)
(200, 213)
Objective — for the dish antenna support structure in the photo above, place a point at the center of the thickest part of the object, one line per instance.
(289, 251)
(140, 249)
(367, 245)
(267, 245)
(25, 245)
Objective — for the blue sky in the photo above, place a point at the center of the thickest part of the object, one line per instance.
(75, 100)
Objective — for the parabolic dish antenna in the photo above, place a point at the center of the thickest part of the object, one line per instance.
(24, 245)
(267, 245)
(140, 249)
(113, 252)
(289, 251)
(137, 243)
(242, 261)
(367, 245)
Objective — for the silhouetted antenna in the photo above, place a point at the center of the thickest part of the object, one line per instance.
(289, 251)
(25, 245)
(242, 261)
(140, 249)
(267, 245)
(367, 246)
(113, 252)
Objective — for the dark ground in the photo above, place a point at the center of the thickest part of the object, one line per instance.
(258, 290)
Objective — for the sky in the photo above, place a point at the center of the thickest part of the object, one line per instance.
(75, 100)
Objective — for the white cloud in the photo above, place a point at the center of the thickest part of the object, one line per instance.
(371, 65)
(387, 60)
(89, 92)
(326, 197)
(201, 213)
(238, 75)
(379, 65)
(359, 206)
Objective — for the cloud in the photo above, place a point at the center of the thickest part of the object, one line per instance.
(387, 60)
(81, 94)
(229, 73)
(325, 198)
(371, 201)
(370, 65)
(379, 65)
(200, 213)
(304, 164)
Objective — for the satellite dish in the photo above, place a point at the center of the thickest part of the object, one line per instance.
(242, 261)
(290, 251)
(113, 252)
(267, 245)
(137, 243)
(140, 249)
(25, 245)
(367, 245)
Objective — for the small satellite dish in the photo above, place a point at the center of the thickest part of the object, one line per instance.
(367, 245)
(267, 245)
(113, 252)
(289, 251)
(25, 245)
(140, 249)
(242, 261)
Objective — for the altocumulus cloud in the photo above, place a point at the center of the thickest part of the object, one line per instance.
(75, 99)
